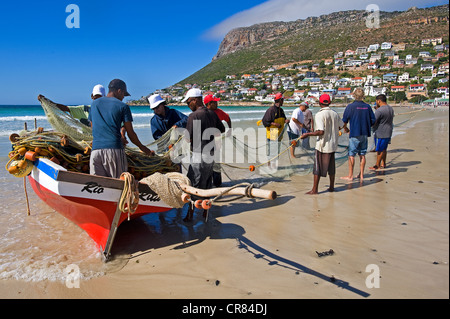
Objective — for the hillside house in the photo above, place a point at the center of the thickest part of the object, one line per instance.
(357, 81)
(403, 78)
(349, 53)
(398, 88)
(416, 90)
(389, 77)
(375, 57)
(385, 67)
(373, 47)
(400, 63)
(343, 92)
(386, 46)
(411, 61)
(426, 67)
(361, 50)
(372, 66)
(424, 54)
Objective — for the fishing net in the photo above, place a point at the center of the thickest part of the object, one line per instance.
(70, 145)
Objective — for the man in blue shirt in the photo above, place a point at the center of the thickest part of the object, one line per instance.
(164, 118)
(107, 114)
(361, 118)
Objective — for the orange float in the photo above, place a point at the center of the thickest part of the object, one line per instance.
(31, 156)
(198, 203)
(186, 198)
(252, 168)
(206, 204)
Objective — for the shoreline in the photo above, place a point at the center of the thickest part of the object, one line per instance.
(397, 220)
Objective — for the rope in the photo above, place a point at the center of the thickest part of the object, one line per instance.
(129, 199)
(167, 188)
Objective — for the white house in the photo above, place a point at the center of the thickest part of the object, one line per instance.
(386, 46)
(403, 78)
(373, 47)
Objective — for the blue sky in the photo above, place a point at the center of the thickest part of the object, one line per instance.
(148, 44)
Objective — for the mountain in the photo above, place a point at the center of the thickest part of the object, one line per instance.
(254, 49)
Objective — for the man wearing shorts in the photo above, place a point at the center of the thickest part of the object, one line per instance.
(383, 127)
(327, 124)
(361, 118)
(295, 127)
(107, 114)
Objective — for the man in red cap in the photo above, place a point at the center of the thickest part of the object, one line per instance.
(210, 102)
(327, 125)
(274, 120)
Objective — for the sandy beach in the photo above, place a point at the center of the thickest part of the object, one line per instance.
(396, 222)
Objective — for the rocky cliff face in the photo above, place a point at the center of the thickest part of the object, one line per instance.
(242, 38)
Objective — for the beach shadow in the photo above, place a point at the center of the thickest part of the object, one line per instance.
(273, 259)
(356, 183)
(139, 237)
(400, 150)
(157, 230)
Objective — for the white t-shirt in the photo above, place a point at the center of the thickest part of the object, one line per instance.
(329, 121)
(295, 128)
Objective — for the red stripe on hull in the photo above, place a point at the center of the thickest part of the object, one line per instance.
(93, 216)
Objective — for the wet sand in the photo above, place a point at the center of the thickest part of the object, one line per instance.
(397, 220)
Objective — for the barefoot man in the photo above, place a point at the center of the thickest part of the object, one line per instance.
(327, 125)
(383, 128)
(361, 118)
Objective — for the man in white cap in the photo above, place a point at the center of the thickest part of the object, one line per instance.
(201, 122)
(81, 112)
(165, 118)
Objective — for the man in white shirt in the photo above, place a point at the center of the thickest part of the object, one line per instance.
(327, 126)
(295, 128)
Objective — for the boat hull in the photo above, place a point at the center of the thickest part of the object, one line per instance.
(88, 201)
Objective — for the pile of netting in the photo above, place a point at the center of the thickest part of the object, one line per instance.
(70, 145)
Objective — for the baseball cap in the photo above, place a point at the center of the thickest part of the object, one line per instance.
(119, 84)
(210, 98)
(192, 93)
(278, 96)
(155, 100)
(305, 104)
(325, 99)
(99, 90)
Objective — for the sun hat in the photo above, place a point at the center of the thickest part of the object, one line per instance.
(325, 99)
(192, 93)
(155, 100)
(119, 84)
(210, 98)
(99, 90)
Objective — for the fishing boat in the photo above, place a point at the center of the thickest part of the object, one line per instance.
(92, 202)
(89, 201)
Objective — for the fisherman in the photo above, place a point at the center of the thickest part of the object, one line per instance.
(81, 112)
(328, 123)
(308, 123)
(202, 127)
(274, 120)
(107, 114)
(383, 127)
(165, 118)
(361, 118)
(295, 128)
(210, 102)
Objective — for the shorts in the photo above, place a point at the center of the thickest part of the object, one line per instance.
(382, 144)
(324, 163)
(108, 162)
(293, 136)
(357, 145)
